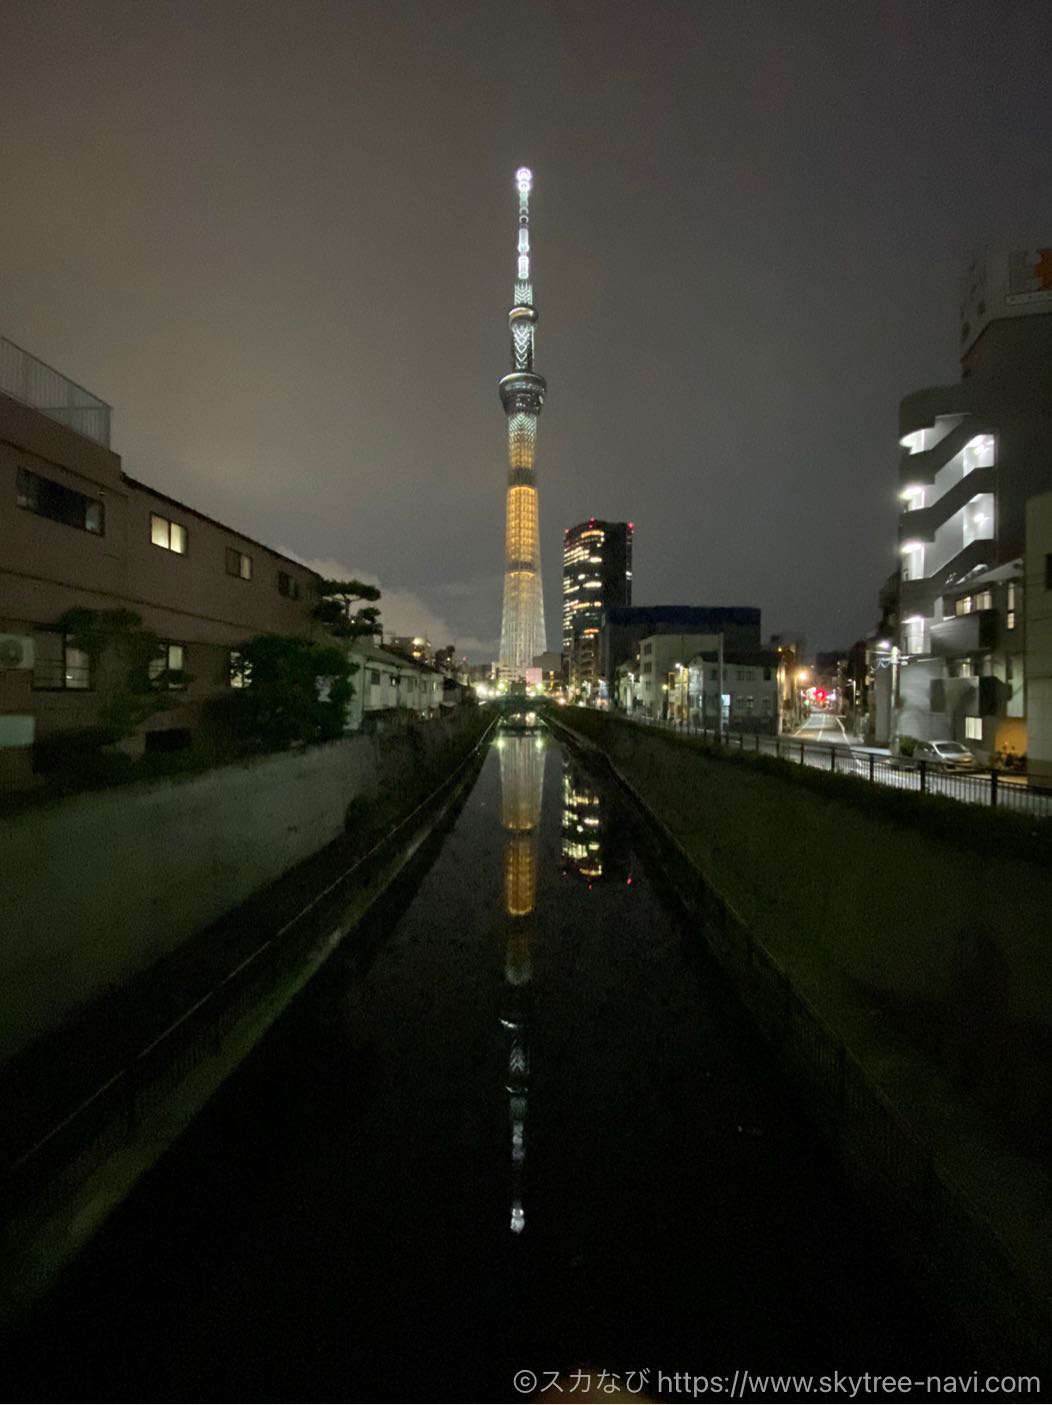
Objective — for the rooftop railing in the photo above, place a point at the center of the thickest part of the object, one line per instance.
(25, 377)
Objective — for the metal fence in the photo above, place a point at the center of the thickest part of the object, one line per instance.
(998, 789)
(25, 377)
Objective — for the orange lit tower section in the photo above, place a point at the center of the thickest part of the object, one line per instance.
(522, 635)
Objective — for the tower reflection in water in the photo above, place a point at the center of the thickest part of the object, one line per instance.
(521, 788)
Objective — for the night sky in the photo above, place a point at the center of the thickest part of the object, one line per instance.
(279, 238)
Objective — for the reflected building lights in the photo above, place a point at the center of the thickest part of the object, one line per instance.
(593, 846)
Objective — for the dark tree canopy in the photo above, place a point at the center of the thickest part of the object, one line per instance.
(341, 611)
(293, 691)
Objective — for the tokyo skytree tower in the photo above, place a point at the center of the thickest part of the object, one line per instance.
(522, 394)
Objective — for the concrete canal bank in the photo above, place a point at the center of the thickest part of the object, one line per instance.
(904, 981)
(94, 1103)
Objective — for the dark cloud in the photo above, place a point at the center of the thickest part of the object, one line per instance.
(279, 237)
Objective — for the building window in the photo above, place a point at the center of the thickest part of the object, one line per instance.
(238, 564)
(288, 586)
(965, 668)
(965, 605)
(1011, 595)
(57, 665)
(984, 600)
(973, 729)
(240, 670)
(61, 504)
(166, 670)
(374, 677)
(1048, 571)
(170, 536)
(648, 647)
(1010, 619)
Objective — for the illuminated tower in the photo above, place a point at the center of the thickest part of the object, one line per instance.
(522, 394)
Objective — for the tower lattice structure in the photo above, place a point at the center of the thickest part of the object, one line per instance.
(522, 392)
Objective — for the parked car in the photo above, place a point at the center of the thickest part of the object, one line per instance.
(945, 756)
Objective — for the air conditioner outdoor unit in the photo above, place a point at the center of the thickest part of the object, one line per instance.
(16, 651)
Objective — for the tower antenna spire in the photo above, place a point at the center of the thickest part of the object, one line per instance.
(522, 635)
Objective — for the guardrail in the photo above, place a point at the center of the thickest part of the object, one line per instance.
(25, 377)
(995, 789)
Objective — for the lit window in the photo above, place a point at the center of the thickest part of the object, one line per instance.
(1010, 620)
(984, 600)
(973, 729)
(171, 536)
(965, 668)
(166, 670)
(965, 605)
(57, 665)
(240, 670)
(238, 564)
(61, 504)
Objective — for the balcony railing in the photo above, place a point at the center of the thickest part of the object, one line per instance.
(25, 377)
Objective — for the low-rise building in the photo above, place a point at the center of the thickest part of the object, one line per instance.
(740, 692)
(692, 679)
(76, 531)
(387, 685)
(623, 628)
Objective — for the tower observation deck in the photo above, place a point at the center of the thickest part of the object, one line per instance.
(522, 392)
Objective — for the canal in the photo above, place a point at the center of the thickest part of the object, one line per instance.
(518, 1122)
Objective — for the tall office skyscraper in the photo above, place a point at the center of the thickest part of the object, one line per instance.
(597, 575)
(522, 393)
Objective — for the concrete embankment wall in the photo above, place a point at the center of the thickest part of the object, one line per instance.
(904, 981)
(897, 909)
(96, 887)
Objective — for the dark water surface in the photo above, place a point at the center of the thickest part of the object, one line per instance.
(518, 1122)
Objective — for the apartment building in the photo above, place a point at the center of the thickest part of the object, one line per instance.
(77, 531)
(972, 455)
